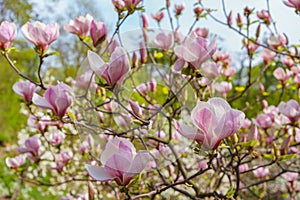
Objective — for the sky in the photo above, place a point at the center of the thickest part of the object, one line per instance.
(286, 19)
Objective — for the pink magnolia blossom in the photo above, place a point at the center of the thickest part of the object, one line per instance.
(179, 8)
(198, 11)
(230, 19)
(264, 120)
(123, 120)
(56, 98)
(39, 34)
(239, 21)
(293, 3)
(276, 41)
(112, 45)
(32, 145)
(195, 51)
(228, 72)
(143, 52)
(129, 4)
(164, 41)
(261, 172)
(243, 168)
(86, 80)
(223, 87)
(145, 21)
(25, 89)
(15, 162)
(215, 120)
(120, 162)
(158, 16)
(114, 71)
(8, 32)
(253, 133)
(281, 75)
(265, 16)
(267, 55)
(56, 137)
(202, 32)
(246, 124)
(80, 25)
(290, 109)
(98, 32)
(202, 164)
(290, 176)
(222, 56)
(142, 88)
(288, 61)
(152, 85)
(136, 109)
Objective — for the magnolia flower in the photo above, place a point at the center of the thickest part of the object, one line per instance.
(290, 109)
(195, 51)
(228, 72)
(222, 56)
(120, 162)
(114, 71)
(164, 41)
(243, 168)
(239, 21)
(8, 32)
(290, 176)
(145, 21)
(264, 120)
(56, 137)
(281, 75)
(128, 4)
(143, 52)
(32, 145)
(276, 41)
(98, 32)
(288, 61)
(158, 16)
(131, 3)
(267, 55)
(56, 98)
(86, 80)
(265, 16)
(293, 3)
(25, 89)
(261, 172)
(215, 120)
(230, 19)
(80, 25)
(39, 34)
(202, 32)
(135, 108)
(179, 8)
(15, 162)
(223, 87)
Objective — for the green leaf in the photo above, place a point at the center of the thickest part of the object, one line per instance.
(231, 191)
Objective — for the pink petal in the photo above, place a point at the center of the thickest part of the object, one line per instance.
(179, 64)
(117, 165)
(119, 65)
(98, 173)
(139, 163)
(187, 131)
(96, 63)
(184, 53)
(41, 102)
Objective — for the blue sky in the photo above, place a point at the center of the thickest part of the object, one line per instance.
(286, 19)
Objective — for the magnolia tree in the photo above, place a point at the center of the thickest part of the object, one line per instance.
(154, 113)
